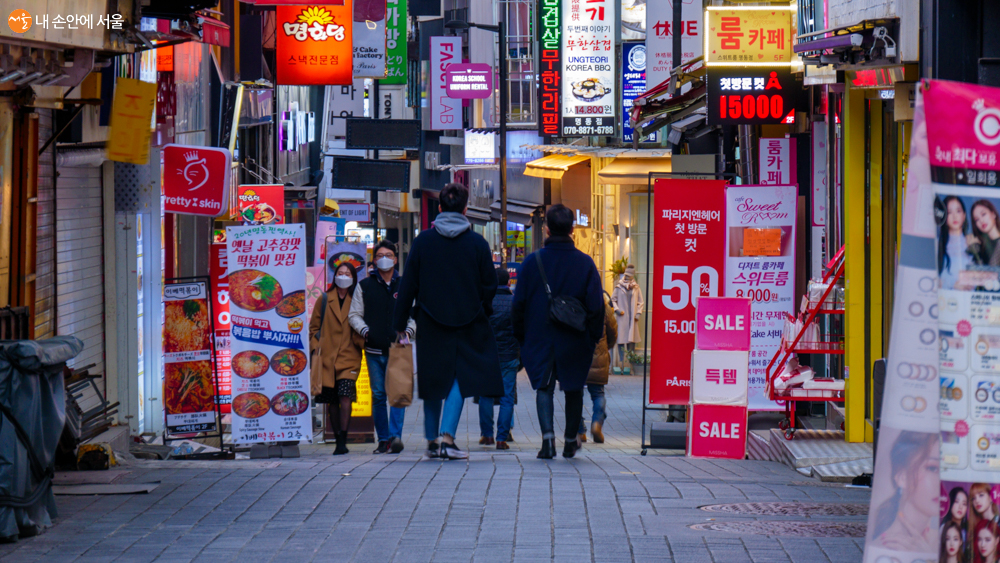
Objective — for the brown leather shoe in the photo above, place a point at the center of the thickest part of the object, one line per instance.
(501, 445)
(582, 437)
(484, 441)
(598, 431)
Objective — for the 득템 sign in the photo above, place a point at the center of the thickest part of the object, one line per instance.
(634, 61)
(369, 38)
(270, 349)
(468, 81)
(446, 113)
(131, 121)
(764, 275)
(719, 377)
(589, 68)
(660, 36)
(395, 42)
(188, 386)
(314, 44)
(550, 67)
(688, 260)
(261, 204)
(748, 35)
(195, 179)
(747, 95)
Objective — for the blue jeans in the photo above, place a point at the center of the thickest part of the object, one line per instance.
(600, 402)
(506, 418)
(387, 425)
(436, 421)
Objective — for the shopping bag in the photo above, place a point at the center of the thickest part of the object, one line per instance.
(399, 375)
(315, 370)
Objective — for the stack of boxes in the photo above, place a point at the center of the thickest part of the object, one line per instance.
(717, 425)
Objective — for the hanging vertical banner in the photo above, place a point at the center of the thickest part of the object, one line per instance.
(776, 162)
(188, 389)
(760, 266)
(261, 204)
(550, 67)
(314, 44)
(131, 121)
(634, 59)
(267, 273)
(915, 443)
(660, 37)
(688, 258)
(445, 112)
(218, 269)
(369, 36)
(589, 67)
(819, 198)
(395, 42)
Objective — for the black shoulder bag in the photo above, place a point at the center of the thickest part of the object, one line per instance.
(564, 311)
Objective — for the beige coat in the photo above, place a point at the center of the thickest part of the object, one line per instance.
(338, 349)
(628, 309)
(602, 353)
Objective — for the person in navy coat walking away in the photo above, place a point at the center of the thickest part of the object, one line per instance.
(552, 352)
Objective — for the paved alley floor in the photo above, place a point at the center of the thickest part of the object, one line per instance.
(607, 504)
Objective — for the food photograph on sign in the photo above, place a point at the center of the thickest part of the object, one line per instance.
(589, 68)
(188, 384)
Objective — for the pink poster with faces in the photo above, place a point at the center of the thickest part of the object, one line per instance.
(723, 324)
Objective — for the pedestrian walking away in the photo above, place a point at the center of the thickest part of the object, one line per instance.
(371, 316)
(551, 349)
(597, 378)
(336, 353)
(510, 360)
(448, 286)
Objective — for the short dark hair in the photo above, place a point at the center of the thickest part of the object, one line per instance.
(559, 219)
(386, 244)
(503, 277)
(454, 197)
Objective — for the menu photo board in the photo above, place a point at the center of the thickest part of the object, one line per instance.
(261, 204)
(269, 336)
(188, 385)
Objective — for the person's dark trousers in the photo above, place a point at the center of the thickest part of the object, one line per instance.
(598, 413)
(546, 408)
(506, 417)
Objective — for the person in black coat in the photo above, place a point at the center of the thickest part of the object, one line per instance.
(510, 359)
(448, 285)
(553, 352)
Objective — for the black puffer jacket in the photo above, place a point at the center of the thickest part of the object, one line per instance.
(503, 325)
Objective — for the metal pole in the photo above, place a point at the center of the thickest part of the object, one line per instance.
(373, 103)
(503, 138)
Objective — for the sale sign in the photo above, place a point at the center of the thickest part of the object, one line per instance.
(688, 259)
(589, 67)
(261, 204)
(270, 344)
(314, 44)
(468, 81)
(218, 270)
(749, 36)
(717, 431)
(723, 324)
(762, 269)
(188, 387)
(195, 179)
(446, 113)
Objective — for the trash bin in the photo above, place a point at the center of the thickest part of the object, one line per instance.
(32, 416)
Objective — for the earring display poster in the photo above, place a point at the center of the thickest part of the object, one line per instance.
(269, 346)
(760, 266)
(188, 388)
(688, 258)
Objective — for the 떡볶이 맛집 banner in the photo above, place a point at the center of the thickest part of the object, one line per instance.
(760, 266)
(188, 388)
(269, 334)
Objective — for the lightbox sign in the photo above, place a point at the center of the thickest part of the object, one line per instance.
(469, 81)
(550, 58)
(752, 96)
(314, 45)
(446, 113)
(633, 85)
(480, 148)
(748, 36)
(589, 68)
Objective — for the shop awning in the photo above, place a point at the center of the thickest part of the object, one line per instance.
(623, 171)
(553, 166)
(478, 216)
(517, 211)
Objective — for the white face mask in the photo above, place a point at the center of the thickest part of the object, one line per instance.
(343, 281)
(384, 263)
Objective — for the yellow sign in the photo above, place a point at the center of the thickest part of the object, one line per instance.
(751, 36)
(761, 242)
(363, 406)
(131, 115)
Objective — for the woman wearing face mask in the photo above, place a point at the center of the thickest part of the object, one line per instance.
(981, 506)
(336, 353)
(985, 234)
(952, 546)
(952, 242)
(987, 542)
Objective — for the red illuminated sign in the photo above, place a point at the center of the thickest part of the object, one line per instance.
(752, 96)
(314, 45)
(195, 179)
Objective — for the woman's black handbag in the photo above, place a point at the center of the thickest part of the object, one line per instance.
(563, 310)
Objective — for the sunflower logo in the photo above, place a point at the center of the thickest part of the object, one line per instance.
(315, 14)
(249, 195)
